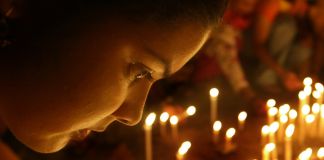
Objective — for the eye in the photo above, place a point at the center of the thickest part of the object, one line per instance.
(139, 71)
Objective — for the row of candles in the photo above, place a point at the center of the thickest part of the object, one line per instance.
(282, 125)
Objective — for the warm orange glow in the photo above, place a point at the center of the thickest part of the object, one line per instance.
(230, 133)
(306, 109)
(283, 119)
(306, 154)
(185, 146)
(308, 90)
(319, 87)
(316, 94)
(150, 119)
(217, 126)
(191, 110)
(284, 109)
(213, 92)
(310, 118)
(164, 117)
(174, 120)
(271, 103)
(273, 111)
(293, 114)
(308, 81)
(320, 153)
(290, 130)
(242, 116)
(265, 130)
(316, 108)
(301, 95)
(269, 147)
(274, 127)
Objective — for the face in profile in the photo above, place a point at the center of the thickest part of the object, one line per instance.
(83, 82)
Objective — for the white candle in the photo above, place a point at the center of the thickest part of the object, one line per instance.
(320, 153)
(283, 121)
(306, 154)
(319, 87)
(309, 119)
(304, 112)
(302, 97)
(308, 92)
(183, 149)
(174, 127)
(267, 150)
(264, 134)
(316, 108)
(241, 119)
(213, 104)
(163, 119)
(217, 126)
(272, 112)
(288, 142)
(321, 125)
(229, 136)
(272, 136)
(148, 135)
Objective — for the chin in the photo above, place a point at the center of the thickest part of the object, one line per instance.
(50, 145)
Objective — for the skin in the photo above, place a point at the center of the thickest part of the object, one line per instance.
(88, 80)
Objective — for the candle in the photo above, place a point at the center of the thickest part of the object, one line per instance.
(288, 143)
(267, 150)
(306, 154)
(217, 126)
(319, 87)
(308, 93)
(191, 110)
(241, 119)
(272, 136)
(302, 97)
(321, 125)
(309, 119)
(174, 127)
(317, 96)
(228, 141)
(271, 103)
(307, 81)
(163, 119)
(272, 112)
(213, 104)
(185, 146)
(320, 153)
(264, 134)
(148, 135)
(292, 116)
(283, 121)
(316, 108)
(305, 111)
(284, 109)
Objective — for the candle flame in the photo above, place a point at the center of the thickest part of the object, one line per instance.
(284, 109)
(301, 95)
(308, 81)
(230, 132)
(273, 111)
(213, 92)
(274, 127)
(320, 153)
(293, 114)
(283, 118)
(242, 116)
(316, 94)
(185, 146)
(265, 130)
(290, 130)
(305, 109)
(305, 154)
(308, 90)
(217, 126)
(164, 116)
(174, 120)
(271, 103)
(150, 119)
(191, 110)
(319, 87)
(316, 108)
(269, 147)
(310, 118)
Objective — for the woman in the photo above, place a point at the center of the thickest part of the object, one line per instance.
(76, 66)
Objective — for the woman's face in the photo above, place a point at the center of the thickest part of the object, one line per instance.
(85, 81)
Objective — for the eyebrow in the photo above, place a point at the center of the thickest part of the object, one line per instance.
(166, 64)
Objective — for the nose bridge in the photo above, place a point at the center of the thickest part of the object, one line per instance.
(131, 110)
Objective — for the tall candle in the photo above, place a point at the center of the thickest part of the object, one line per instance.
(320, 153)
(288, 142)
(308, 92)
(213, 104)
(217, 126)
(305, 111)
(185, 146)
(283, 121)
(271, 103)
(319, 87)
(267, 150)
(241, 119)
(317, 96)
(316, 108)
(174, 127)
(272, 136)
(306, 154)
(148, 135)
(190, 111)
(272, 112)
(302, 97)
(321, 125)
(163, 119)
(264, 134)
(292, 116)
(229, 136)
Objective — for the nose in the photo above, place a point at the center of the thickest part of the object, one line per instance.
(130, 112)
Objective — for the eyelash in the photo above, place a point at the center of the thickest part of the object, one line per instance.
(139, 71)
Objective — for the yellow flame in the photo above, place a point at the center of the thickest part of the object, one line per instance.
(265, 130)
(306, 154)
(274, 127)
(293, 114)
(185, 146)
(191, 110)
(283, 118)
(316, 94)
(269, 147)
(316, 108)
(305, 109)
(322, 111)
(217, 126)
(320, 152)
(308, 81)
(319, 87)
(230, 132)
(213, 92)
(164, 117)
(271, 103)
(174, 120)
(150, 119)
(310, 118)
(290, 130)
(308, 90)
(273, 111)
(284, 109)
(302, 95)
(242, 116)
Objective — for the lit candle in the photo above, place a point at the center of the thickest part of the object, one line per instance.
(319, 87)
(309, 119)
(321, 125)
(320, 153)
(241, 119)
(317, 96)
(216, 129)
(272, 136)
(174, 127)
(288, 143)
(163, 119)
(229, 136)
(306, 154)
(283, 121)
(308, 92)
(190, 111)
(267, 150)
(148, 135)
(264, 134)
(271, 103)
(292, 116)
(304, 112)
(316, 108)
(213, 104)
(302, 97)
(185, 146)
(272, 112)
